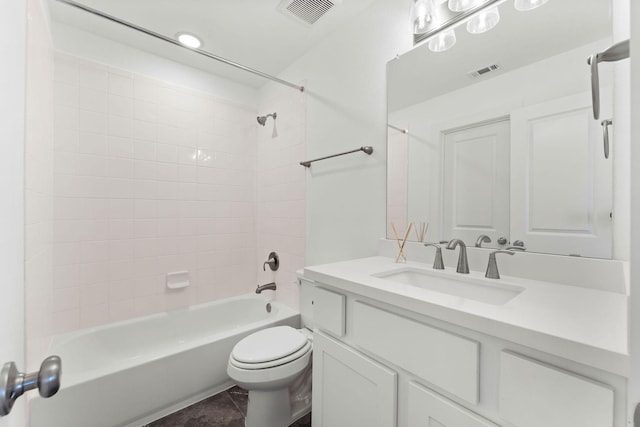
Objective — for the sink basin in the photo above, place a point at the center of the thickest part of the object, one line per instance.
(483, 290)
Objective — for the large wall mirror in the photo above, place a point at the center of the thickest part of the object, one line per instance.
(496, 135)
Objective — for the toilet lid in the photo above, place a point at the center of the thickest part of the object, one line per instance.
(268, 344)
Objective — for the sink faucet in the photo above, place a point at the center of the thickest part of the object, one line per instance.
(269, 286)
(437, 262)
(483, 238)
(492, 267)
(463, 264)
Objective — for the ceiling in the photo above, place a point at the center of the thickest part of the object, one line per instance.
(253, 33)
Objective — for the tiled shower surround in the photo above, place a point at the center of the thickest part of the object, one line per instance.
(151, 178)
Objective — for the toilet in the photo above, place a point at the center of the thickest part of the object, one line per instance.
(274, 364)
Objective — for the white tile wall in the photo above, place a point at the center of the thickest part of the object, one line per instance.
(281, 193)
(149, 178)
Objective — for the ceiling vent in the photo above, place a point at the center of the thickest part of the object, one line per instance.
(306, 12)
(484, 71)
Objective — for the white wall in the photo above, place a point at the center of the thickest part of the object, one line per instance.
(345, 77)
(633, 397)
(397, 176)
(38, 186)
(13, 48)
(621, 133)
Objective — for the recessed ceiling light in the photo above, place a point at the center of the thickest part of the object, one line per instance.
(189, 40)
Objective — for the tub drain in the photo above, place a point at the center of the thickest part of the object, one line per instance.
(268, 307)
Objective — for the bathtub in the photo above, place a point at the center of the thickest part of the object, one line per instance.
(133, 372)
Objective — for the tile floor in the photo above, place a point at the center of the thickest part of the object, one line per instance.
(226, 409)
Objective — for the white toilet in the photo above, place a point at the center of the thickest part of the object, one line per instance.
(274, 364)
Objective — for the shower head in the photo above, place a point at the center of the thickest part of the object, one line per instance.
(263, 119)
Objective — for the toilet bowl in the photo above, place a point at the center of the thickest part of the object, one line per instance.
(274, 365)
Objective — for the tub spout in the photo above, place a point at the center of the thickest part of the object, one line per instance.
(269, 286)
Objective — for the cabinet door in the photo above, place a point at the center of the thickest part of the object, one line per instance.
(429, 409)
(350, 389)
(533, 394)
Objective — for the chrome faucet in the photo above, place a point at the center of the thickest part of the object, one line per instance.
(492, 267)
(269, 286)
(437, 262)
(483, 238)
(463, 264)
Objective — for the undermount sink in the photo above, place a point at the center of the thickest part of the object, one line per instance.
(455, 284)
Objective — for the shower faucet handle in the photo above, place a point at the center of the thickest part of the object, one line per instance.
(273, 262)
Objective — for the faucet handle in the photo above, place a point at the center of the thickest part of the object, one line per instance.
(273, 262)
(492, 266)
(438, 264)
(483, 238)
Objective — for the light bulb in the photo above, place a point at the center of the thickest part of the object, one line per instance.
(525, 5)
(462, 5)
(189, 40)
(442, 41)
(421, 15)
(484, 21)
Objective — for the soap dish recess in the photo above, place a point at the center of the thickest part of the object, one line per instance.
(178, 280)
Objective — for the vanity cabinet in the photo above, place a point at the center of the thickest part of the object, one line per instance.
(375, 364)
(534, 394)
(439, 357)
(427, 408)
(350, 389)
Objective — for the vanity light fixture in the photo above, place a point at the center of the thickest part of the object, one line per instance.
(189, 40)
(462, 5)
(434, 20)
(442, 41)
(524, 5)
(421, 15)
(484, 21)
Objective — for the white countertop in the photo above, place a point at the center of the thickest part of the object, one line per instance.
(584, 325)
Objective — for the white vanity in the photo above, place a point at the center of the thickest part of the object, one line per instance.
(394, 347)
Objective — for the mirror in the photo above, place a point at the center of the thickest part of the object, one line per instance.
(496, 135)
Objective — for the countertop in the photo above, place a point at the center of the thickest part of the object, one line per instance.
(585, 325)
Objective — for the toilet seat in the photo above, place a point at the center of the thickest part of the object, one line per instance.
(272, 363)
(269, 347)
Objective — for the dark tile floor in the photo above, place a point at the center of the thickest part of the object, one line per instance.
(226, 409)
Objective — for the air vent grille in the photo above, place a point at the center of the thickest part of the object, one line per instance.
(307, 11)
(485, 70)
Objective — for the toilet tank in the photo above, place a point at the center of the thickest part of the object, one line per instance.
(306, 301)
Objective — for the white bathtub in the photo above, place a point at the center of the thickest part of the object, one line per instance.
(133, 372)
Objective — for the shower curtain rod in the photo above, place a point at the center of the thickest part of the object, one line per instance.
(399, 129)
(177, 43)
